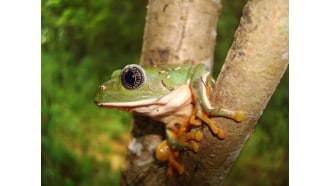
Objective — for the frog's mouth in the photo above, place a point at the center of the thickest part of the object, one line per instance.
(129, 103)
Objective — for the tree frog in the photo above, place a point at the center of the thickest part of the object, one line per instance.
(176, 95)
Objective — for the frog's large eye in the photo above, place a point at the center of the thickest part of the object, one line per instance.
(132, 77)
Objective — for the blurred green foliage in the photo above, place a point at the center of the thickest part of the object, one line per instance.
(82, 43)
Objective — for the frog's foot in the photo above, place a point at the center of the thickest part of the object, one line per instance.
(180, 137)
(238, 116)
(169, 150)
(165, 153)
(196, 119)
(184, 141)
(174, 164)
(194, 135)
(193, 146)
(215, 130)
(191, 138)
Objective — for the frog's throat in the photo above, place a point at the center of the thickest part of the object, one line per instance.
(167, 104)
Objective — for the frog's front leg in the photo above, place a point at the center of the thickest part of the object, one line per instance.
(201, 90)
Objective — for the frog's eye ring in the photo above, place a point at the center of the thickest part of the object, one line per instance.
(132, 77)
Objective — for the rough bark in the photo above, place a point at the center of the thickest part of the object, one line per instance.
(180, 32)
(184, 32)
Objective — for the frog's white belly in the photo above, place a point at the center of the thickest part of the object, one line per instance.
(171, 109)
(169, 104)
(175, 104)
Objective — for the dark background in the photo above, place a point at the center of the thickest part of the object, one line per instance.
(81, 144)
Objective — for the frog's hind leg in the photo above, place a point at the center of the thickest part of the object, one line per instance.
(173, 163)
(184, 141)
(165, 153)
(180, 135)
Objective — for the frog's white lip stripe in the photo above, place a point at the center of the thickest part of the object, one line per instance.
(129, 104)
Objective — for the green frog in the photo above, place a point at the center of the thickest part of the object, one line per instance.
(176, 95)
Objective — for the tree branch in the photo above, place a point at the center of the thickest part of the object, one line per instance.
(176, 32)
(253, 68)
(184, 32)
(180, 32)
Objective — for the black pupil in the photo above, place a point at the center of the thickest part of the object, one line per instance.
(129, 78)
(132, 77)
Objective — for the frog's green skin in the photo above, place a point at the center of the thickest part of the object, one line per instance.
(165, 92)
(173, 94)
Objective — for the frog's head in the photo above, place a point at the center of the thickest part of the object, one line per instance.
(131, 86)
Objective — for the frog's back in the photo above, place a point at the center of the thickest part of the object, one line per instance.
(172, 75)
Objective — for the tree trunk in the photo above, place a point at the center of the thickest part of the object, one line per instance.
(184, 32)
